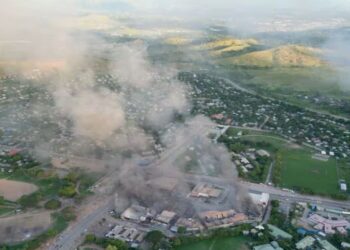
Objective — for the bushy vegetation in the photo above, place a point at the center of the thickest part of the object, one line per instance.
(184, 240)
(73, 185)
(105, 242)
(53, 204)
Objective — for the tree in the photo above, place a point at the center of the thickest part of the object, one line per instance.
(31, 200)
(90, 238)
(72, 177)
(181, 230)
(154, 237)
(2, 200)
(275, 203)
(53, 204)
(67, 191)
(110, 247)
(68, 213)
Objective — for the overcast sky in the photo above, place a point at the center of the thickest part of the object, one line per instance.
(217, 8)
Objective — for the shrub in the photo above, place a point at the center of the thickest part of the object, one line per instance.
(53, 204)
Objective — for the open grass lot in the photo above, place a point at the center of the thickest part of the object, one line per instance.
(236, 243)
(299, 171)
(5, 211)
(297, 79)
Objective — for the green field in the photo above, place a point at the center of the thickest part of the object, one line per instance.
(299, 171)
(295, 79)
(6, 210)
(234, 243)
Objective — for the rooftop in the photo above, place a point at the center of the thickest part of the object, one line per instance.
(206, 190)
(278, 233)
(308, 241)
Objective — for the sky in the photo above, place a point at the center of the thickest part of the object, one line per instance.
(223, 8)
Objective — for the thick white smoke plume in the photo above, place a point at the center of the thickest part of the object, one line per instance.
(87, 95)
(95, 114)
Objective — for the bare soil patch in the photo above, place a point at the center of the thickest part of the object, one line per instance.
(23, 227)
(13, 190)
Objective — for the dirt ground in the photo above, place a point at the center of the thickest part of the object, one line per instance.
(13, 190)
(92, 165)
(23, 227)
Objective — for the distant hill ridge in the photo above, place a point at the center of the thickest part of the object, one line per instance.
(283, 56)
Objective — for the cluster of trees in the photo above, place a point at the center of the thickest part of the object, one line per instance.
(157, 240)
(106, 243)
(337, 239)
(219, 233)
(31, 200)
(68, 188)
(282, 221)
(53, 204)
(261, 163)
(277, 170)
(26, 160)
(52, 187)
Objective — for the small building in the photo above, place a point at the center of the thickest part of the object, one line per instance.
(128, 234)
(260, 199)
(166, 217)
(137, 213)
(279, 233)
(204, 190)
(222, 219)
(305, 243)
(249, 166)
(272, 246)
(262, 153)
(191, 225)
(264, 247)
(345, 245)
(343, 186)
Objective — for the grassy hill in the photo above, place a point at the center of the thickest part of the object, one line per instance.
(221, 46)
(177, 40)
(284, 56)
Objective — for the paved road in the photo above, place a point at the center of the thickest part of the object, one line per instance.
(282, 195)
(72, 236)
(275, 193)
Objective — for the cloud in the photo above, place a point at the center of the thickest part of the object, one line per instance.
(336, 52)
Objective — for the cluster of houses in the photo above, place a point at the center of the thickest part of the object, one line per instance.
(217, 99)
(328, 226)
(127, 234)
(245, 160)
(309, 242)
(314, 242)
(170, 220)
